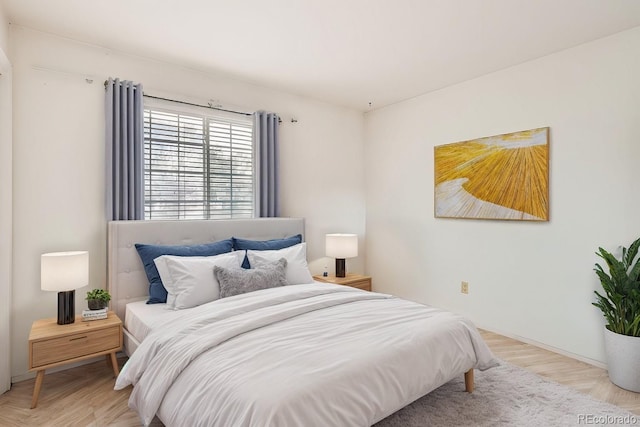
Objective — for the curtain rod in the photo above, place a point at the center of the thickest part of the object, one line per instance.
(197, 105)
(106, 82)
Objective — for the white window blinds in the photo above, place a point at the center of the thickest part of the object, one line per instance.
(197, 166)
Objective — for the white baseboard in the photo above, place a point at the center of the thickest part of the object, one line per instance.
(588, 360)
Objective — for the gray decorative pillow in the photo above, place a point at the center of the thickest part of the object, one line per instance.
(235, 281)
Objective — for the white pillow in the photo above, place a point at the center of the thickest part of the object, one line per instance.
(190, 281)
(297, 270)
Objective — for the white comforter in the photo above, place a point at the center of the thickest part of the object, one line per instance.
(304, 355)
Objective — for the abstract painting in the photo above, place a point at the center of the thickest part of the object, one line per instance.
(502, 177)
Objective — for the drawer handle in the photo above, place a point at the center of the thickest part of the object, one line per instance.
(78, 338)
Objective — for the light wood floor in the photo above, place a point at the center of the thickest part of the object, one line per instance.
(84, 396)
(573, 373)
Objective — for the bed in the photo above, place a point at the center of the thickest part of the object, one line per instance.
(306, 354)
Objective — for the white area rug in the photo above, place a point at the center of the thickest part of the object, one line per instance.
(508, 396)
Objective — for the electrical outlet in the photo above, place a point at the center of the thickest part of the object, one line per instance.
(464, 287)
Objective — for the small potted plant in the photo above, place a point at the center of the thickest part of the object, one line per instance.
(620, 305)
(97, 299)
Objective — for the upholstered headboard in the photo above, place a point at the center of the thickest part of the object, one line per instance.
(126, 279)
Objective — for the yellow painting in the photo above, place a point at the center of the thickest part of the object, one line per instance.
(498, 177)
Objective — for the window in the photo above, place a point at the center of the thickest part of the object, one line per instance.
(197, 166)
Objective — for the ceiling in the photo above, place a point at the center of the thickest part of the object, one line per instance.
(363, 54)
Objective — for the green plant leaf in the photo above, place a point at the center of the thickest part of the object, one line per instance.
(620, 303)
(98, 294)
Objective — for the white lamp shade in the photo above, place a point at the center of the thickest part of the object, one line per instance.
(64, 271)
(341, 245)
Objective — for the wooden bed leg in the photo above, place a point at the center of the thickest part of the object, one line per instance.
(468, 381)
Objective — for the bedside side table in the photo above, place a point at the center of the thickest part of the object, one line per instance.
(53, 345)
(353, 280)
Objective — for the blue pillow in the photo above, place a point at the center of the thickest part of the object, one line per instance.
(157, 292)
(264, 245)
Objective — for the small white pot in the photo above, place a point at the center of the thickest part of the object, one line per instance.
(623, 360)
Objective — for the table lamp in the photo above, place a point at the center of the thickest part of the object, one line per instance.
(64, 272)
(341, 246)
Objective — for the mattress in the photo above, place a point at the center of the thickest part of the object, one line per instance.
(140, 317)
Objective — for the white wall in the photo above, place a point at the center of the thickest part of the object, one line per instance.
(5, 205)
(59, 159)
(533, 280)
(4, 30)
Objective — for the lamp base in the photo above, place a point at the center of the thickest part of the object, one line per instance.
(66, 307)
(341, 269)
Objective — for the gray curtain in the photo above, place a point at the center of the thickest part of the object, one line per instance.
(124, 134)
(267, 164)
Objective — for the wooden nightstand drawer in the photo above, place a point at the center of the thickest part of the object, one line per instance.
(77, 345)
(363, 284)
(353, 280)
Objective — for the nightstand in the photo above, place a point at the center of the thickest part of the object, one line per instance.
(353, 280)
(53, 345)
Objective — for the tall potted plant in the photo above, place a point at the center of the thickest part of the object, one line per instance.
(620, 305)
